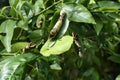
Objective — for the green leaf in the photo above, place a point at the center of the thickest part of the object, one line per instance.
(13, 2)
(54, 19)
(91, 74)
(23, 24)
(27, 10)
(10, 66)
(62, 45)
(118, 77)
(36, 35)
(98, 26)
(109, 5)
(8, 28)
(114, 16)
(115, 59)
(78, 13)
(55, 66)
(18, 46)
(38, 6)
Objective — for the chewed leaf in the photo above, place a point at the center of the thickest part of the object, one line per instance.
(62, 45)
(8, 28)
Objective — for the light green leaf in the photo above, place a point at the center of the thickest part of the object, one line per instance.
(10, 66)
(8, 28)
(78, 13)
(55, 66)
(18, 46)
(38, 6)
(62, 45)
(118, 77)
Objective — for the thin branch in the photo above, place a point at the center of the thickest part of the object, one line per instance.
(49, 7)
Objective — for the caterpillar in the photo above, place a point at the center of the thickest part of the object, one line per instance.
(77, 44)
(57, 26)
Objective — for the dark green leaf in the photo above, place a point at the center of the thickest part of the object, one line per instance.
(111, 6)
(91, 74)
(98, 26)
(115, 59)
(78, 13)
(10, 66)
(36, 35)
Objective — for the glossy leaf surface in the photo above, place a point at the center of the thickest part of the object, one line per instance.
(78, 13)
(9, 67)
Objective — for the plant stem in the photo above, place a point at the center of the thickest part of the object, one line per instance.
(5, 54)
(49, 7)
(6, 17)
(19, 34)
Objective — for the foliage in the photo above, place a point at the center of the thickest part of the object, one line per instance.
(59, 39)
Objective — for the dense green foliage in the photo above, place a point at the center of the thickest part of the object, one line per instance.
(59, 40)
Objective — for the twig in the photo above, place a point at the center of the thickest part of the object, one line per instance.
(49, 7)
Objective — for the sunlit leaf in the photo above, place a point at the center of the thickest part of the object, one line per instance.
(8, 28)
(18, 46)
(38, 6)
(62, 45)
(118, 77)
(55, 66)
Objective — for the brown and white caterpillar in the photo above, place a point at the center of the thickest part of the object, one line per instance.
(77, 44)
(57, 26)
